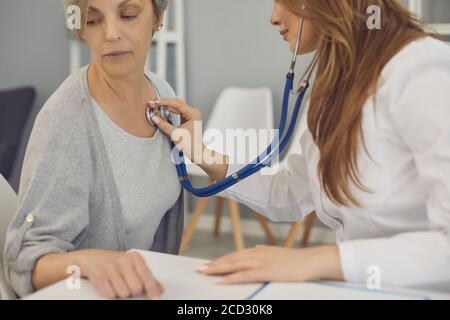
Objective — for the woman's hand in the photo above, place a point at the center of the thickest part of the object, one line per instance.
(119, 274)
(274, 264)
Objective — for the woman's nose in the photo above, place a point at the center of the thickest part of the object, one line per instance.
(112, 31)
(274, 18)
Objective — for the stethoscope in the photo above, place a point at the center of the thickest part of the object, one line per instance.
(272, 151)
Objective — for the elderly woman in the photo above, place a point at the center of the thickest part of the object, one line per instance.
(97, 178)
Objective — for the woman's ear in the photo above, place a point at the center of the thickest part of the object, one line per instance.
(160, 23)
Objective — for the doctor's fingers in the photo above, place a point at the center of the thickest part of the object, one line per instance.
(249, 253)
(247, 276)
(180, 107)
(165, 126)
(230, 266)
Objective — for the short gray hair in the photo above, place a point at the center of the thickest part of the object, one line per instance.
(159, 7)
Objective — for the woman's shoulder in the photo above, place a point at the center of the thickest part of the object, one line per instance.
(65, 105)
(163, 87)
(62, 113)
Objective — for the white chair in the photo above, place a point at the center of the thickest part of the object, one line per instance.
(8, 206)
(236, 108)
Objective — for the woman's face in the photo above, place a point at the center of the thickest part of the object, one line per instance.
(288, 24)
(119, 34)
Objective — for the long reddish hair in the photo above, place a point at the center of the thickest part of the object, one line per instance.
(350, 59)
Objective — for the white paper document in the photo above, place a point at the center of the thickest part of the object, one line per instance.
(176, 274)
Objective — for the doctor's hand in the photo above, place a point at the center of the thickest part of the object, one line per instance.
(275, 264)
(188, 137)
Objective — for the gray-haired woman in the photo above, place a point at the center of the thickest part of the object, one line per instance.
(97, 178)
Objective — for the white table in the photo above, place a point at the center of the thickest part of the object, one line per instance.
(340, 291)
(181, 282)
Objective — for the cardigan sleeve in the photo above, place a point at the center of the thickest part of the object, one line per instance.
(53, 210)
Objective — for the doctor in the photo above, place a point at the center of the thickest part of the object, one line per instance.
(376, 158)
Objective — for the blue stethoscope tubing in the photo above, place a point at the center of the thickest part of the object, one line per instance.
(272, 151)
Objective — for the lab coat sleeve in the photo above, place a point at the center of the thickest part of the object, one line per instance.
(281, 194)
(421, 114)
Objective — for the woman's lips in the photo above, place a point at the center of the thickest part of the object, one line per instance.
(116, 54)
(284, 33)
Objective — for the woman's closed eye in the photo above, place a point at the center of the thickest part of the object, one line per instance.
(129, 17)
(93, 22)
(130, 13)
(93, 18)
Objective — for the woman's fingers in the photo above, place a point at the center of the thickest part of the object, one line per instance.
(132, 279)
(118, 283)
(153, 289)
(105, 288)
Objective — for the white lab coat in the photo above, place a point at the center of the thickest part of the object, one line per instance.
(404, 226)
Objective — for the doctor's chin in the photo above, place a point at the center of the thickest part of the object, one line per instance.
(234, 158)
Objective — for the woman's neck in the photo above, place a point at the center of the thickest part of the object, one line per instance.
(131, 91)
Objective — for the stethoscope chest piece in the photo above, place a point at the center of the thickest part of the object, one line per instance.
(161, 112)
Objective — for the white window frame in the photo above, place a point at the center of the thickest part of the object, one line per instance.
(417, 6)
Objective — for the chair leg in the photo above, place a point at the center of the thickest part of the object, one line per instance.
(264, 225)
(218, 216)
(236, 224)
(187, 235)
(308, 224)
(293, 232)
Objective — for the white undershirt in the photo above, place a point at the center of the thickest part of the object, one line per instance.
(145, 176)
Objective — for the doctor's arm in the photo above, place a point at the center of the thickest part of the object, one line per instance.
(281, 194)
